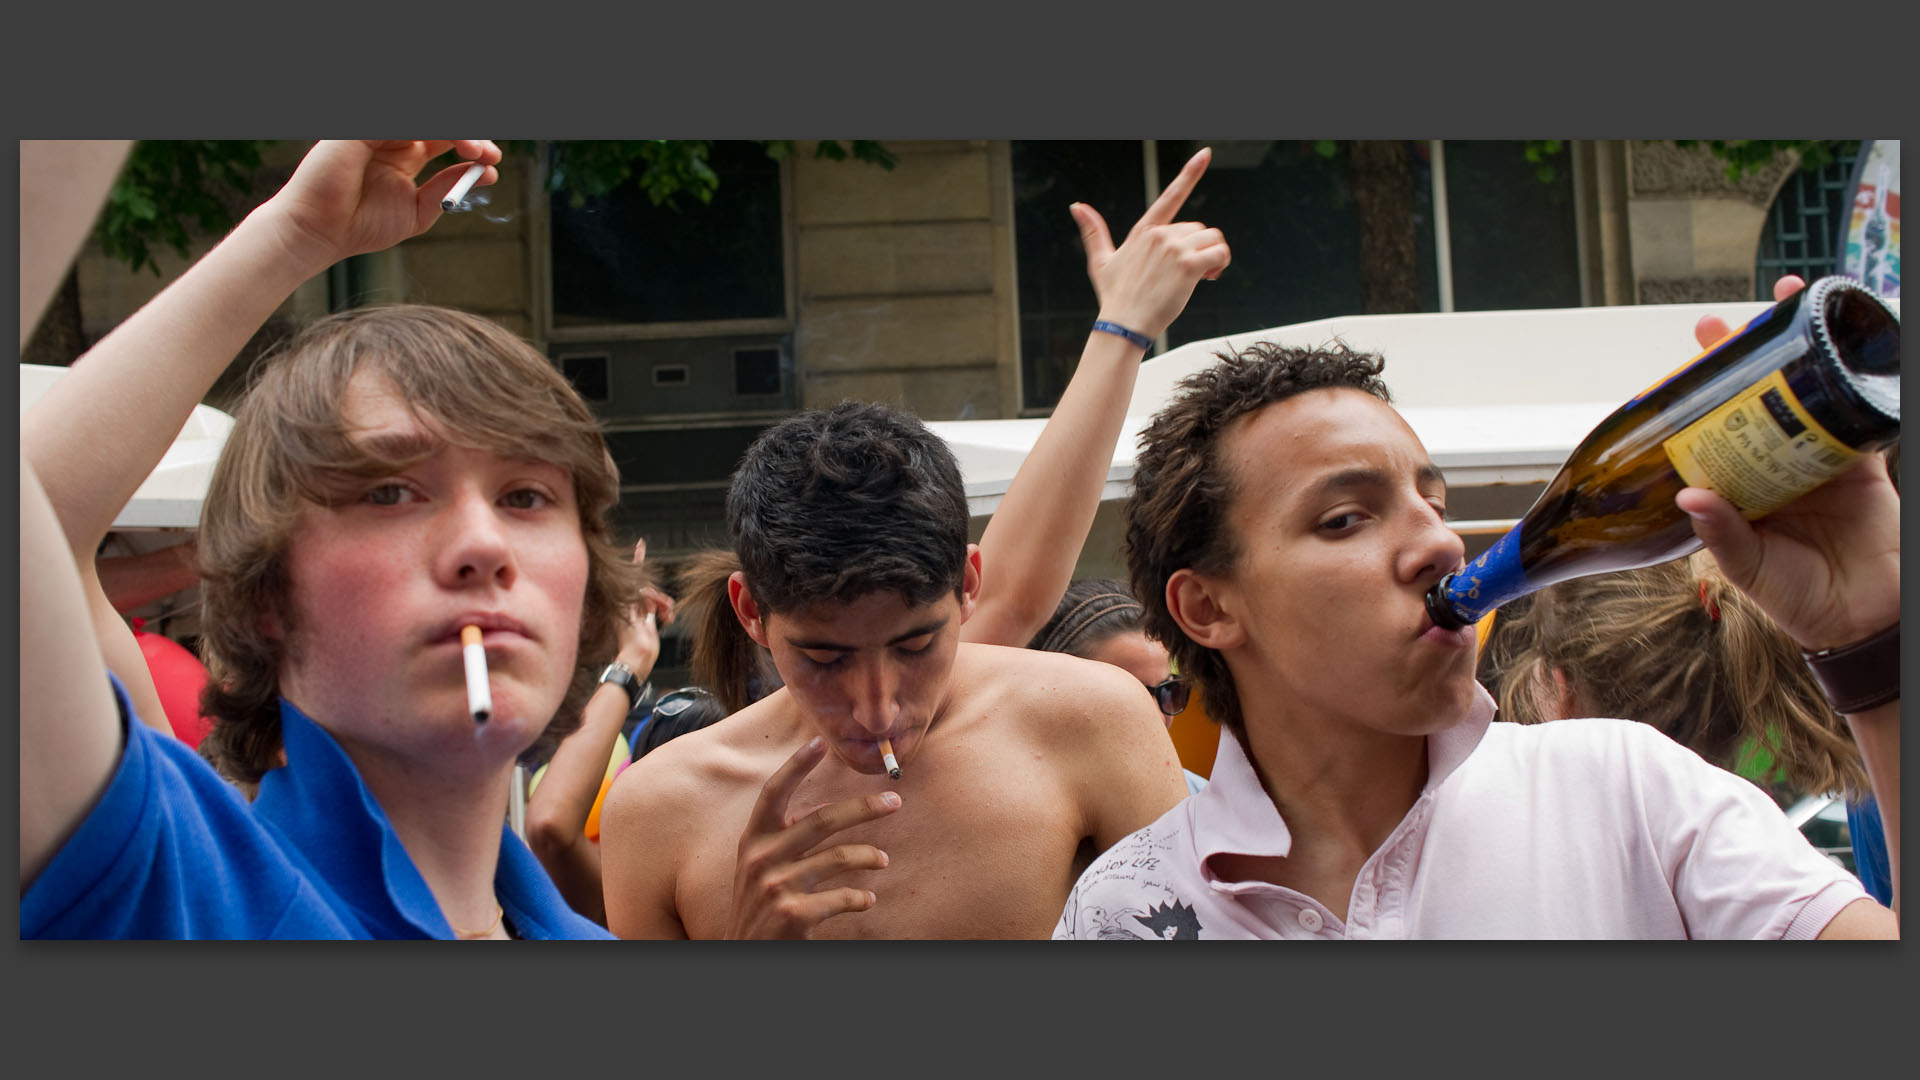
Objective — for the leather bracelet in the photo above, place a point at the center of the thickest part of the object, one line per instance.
(1859, 676)
(1137, 338)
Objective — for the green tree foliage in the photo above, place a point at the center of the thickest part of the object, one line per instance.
(668, 168)
(166, 187)
(1743, 156)
(171, 187)
(1541, 153)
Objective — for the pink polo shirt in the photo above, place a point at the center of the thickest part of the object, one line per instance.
(1572, 829)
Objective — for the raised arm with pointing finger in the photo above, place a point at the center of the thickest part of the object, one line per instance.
(1030, 546)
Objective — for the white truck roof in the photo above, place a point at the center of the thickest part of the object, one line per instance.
(1497, 397)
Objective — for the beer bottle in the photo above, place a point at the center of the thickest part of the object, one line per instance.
(1795, 397)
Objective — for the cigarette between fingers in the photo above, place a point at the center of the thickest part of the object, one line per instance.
(467, 179)
(886, 755)
(479, 697)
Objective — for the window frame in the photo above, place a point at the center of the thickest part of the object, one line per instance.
(540, 221)
(1583, 226)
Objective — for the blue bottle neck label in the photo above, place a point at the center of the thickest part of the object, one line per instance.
(1488, 581)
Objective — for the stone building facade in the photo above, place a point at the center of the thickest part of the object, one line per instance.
(902, 285)
(903, 280)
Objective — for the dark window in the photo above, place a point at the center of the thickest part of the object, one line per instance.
(1289, 214)
(620, 259)
(698, 455)
(1057, 304)
(588, 374)
(756, 371)
(1512, 233)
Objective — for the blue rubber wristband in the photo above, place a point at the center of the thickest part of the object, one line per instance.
(1142, 340)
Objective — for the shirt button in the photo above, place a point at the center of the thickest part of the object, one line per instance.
(1310, 919)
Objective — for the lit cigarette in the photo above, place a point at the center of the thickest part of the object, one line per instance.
(473, 173)
(886, 755)
(479, 698)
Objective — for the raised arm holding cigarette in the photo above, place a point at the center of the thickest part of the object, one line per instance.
(351, 533)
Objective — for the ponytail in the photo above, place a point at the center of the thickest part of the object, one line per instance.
(725, 660)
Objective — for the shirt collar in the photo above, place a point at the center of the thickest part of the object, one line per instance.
(326, 811)
(1235, 816)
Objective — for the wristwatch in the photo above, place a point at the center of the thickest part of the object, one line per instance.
(621, 674)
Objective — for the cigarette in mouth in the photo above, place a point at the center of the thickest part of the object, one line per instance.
(459, 192)
(479, 697)
(886, 755)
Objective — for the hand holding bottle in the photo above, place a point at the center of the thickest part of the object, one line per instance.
(1826, 567)
(1712, 328)
(1764, 417)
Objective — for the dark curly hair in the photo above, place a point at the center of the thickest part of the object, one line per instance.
(835, 504)
(1176, 515)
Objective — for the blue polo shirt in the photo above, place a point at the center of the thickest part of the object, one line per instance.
(172, 851)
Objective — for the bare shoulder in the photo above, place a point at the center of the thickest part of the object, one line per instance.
(669, 787)
(1056, 697)
(1094, 722)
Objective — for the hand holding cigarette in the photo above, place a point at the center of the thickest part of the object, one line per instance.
(453, 198)
(353, 196)
(776, 869)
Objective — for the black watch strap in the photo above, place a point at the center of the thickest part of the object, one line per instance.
(1862, 675)
(621, 674)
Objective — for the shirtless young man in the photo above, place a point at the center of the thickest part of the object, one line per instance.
(1017, 767)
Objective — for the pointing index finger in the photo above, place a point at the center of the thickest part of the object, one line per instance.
(1175, 195)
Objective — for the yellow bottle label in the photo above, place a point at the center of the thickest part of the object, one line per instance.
(1760, 451)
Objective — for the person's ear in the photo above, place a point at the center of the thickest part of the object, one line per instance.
(268, 624)
(970, 583)
(1566, 705)
(745, 609)
(1197, 604)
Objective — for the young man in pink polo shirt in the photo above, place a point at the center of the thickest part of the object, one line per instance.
(1285, 526)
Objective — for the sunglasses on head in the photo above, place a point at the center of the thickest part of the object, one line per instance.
(1171, 695)
(679, 701)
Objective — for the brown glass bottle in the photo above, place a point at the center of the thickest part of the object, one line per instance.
(1769, 414)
